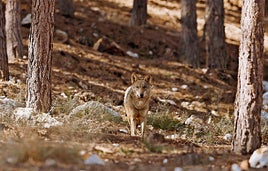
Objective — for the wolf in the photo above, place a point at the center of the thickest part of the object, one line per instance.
(136, 102)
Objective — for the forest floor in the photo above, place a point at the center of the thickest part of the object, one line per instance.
(82, 74)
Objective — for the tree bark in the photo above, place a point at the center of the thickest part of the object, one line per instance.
(248, 102)
(139, 13)
(215, 34)
(40, 56)
(13, 30)
(3, 51)
(66, 7)
(189, 33)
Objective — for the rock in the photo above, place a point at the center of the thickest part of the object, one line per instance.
(61, 36)
(108, 46)
(178, 169)
(228, 137)
(7, 106)
(174, 89)
(235, 167)
(45, 120)
(50, 162)
(21, 113)
(165, 161)
(184, 86)
(194, 121)
(171, 102)
(265, 86)
(26, 21)
(132, 54)
(211, 158)
(94, 159)
(265, 99)
(259, 158)
(123, 131)
(93, 107)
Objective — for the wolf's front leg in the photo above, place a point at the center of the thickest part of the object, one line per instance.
(143, 127)
(132, 126)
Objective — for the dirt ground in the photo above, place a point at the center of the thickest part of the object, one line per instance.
(81, 74)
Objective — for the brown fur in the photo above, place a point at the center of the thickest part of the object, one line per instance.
(136, 102)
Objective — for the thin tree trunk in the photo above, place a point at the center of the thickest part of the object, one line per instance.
(189, 33)
(13, 30)
(139, 13)
(3, 51)
(215, 34)
(248, 102)
(40, 56)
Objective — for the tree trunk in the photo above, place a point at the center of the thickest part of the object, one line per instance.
(66, 7)
(13, 30)
(189, 33)
(215, 34)
(248, 102)
(40, 56)
(3, 51)
(139, 13)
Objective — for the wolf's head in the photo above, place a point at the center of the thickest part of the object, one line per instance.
(141, 86)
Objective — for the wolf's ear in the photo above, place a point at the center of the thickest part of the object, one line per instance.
(148, 78)
(134, 77)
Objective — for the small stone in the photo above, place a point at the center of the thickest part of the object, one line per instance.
(235, 167)
(184, 86)
(211, 158)
(174, 89)
(123, 131)
(165, 161)
(228, 137)
(132, 54)
(50, 162)
(178, 169)
(94, 159)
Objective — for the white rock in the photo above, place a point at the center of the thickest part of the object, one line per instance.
(184, 86)
(27, 20)
(123, 131)
(165, 161)
(132, 54)
(50, 162)
(265, 85)
(61, 35)
(93, 107)
(94, 159)
(95, 34)
(22, 113)
(204, 70)
(235, 167)
(193, 120)
(64, 95)
(7, 105)
(259, 158)
(174, 89)
(185, 104)
(228, 137)
(178, 169)
(265, 98)
(46, 120)
(211, 158)
(213, 112)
